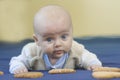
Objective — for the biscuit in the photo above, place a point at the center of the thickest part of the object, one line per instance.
(61, 71)
(113, 69)
(29, 75)
(105, 75)
(1, 73)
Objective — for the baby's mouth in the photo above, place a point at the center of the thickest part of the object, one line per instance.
(59, 52)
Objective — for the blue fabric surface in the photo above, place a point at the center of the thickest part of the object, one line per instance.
(107, 50)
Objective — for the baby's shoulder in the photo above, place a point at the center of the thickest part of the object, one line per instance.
(77, 47)
(31, 49)
(30, 45)
(75, 44)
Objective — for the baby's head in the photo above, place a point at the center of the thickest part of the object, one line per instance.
(53, 30)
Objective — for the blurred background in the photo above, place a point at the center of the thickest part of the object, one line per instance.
(90, 17)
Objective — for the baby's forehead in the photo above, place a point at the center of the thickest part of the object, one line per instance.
(55, 30)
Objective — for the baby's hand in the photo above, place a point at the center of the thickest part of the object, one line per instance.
(93, 67)
(20, 69)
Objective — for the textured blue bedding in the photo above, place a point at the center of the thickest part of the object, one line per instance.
(106, 48)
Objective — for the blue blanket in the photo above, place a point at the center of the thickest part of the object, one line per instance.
(106, 48)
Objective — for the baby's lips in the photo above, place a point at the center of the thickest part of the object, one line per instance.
(58, 51)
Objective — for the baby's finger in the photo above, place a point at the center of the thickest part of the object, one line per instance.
(20, 70)
(94, 67)
(16, 72)
(25, 70)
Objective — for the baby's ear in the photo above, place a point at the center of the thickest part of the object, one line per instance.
(35, 39)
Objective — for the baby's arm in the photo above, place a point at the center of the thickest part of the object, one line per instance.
(17, 66)
(20, 63)
(90, 60)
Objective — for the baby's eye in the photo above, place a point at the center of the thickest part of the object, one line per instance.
(64, 37)
(49, 39)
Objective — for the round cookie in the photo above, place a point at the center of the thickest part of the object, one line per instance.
(1, 73)
(105, 75)
(113, 69)
(29, 75)
(61, 71)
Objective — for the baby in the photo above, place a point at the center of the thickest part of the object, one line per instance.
(54, 46)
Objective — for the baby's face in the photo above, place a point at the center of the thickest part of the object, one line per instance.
(56, 39)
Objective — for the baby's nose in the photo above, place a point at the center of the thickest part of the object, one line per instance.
(58, 43)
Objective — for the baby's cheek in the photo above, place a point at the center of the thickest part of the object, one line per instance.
(48, 49)
(68, 46)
